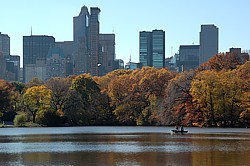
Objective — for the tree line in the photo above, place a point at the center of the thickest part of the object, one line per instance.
(216, 94)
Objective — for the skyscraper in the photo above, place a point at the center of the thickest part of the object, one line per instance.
(80, 32)
(35, 51)
(152, 48)
(158, 49)
(94, 40)
(209, 42)
(5, 44)
(80, 25)
(95, 52)
(146, 48)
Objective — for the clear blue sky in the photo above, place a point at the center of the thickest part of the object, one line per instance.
(181, 19)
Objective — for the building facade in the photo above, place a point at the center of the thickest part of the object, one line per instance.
(93, 50)
(188, 57)
(209, 42)
(13, 66)
(146, 48)
(35, 51)
(2, 66)
(5, 44)
(55, 63)
(152, 48)
(118, 64)
(68, 48)
(106, 53)
(132, 66)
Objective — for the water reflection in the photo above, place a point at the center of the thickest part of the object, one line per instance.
(133, 147)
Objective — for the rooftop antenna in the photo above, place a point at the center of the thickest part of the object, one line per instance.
(31, 31)
(130, 58)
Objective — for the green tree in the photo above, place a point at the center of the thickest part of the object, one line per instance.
(87, 91)
(19, 86)
(20, 120)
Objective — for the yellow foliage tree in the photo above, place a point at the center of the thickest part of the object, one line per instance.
(37, 98)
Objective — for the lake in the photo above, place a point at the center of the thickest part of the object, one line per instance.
(137, 146)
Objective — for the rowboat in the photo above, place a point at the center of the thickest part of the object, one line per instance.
(174, 131)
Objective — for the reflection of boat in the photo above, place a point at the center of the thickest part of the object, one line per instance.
(174, 131)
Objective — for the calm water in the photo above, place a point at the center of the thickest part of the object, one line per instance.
(124, 146)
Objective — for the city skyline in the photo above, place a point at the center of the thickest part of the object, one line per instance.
(180, 20)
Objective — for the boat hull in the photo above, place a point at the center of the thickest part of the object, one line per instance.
(179, 131)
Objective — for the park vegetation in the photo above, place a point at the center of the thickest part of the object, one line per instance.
(216, 94)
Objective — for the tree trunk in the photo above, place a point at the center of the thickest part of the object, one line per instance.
(33, 116)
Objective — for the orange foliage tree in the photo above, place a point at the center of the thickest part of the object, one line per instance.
(6, 90)
(225, 61)
(136, 97)
(178, 107)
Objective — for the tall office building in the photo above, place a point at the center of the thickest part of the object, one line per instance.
(80, 33)
(95, 52)
(152, 48)
(35, 51)
(107, 53)
(158, 49)
(146, 48)
(209, 42)
(94, 40)
(5, 44)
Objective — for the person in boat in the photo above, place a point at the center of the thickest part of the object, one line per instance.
(177, 127)
(182, 128)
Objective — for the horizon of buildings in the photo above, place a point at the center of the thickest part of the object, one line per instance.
(94, 53)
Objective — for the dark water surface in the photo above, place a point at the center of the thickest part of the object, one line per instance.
(124, 146)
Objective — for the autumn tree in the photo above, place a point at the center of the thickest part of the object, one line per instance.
(126, 99)
(5, 95)
(243, 72)
(37, 99)
(218, 95)
(178, 107)
(104, 81)
(225, 61)
(34, 82)
(60, 88)
(136, 97)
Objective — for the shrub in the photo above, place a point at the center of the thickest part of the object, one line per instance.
(48, 118)
(20, 120)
